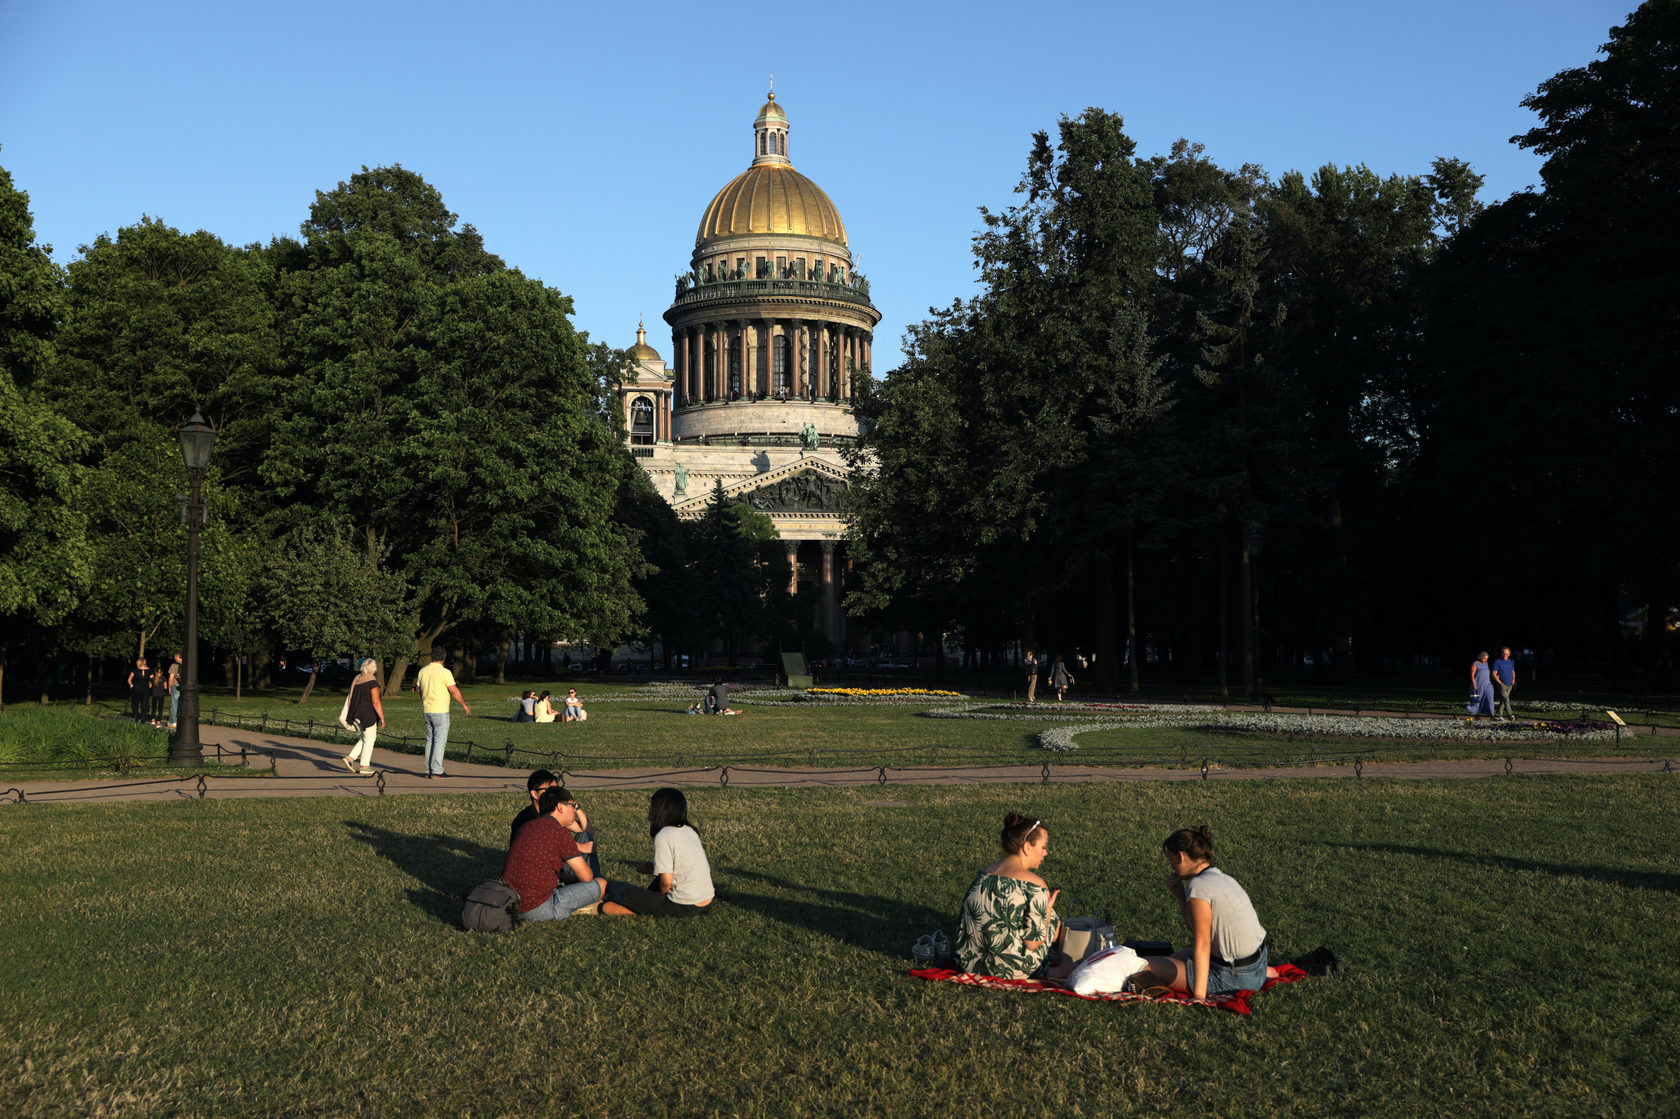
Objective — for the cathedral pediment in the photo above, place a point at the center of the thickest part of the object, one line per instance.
(810, 485)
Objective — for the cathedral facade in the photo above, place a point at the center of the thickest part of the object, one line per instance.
(771, 336)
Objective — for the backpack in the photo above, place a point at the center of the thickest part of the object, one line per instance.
(491, 906)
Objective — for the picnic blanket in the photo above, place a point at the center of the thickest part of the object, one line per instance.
(1236, 1004)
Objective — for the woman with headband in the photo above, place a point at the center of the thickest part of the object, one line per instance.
(1009, 916)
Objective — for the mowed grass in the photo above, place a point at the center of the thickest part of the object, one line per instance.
(1509, 947)
(652, 732)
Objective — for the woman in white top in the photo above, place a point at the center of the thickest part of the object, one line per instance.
(1227, 952)
(682, 879)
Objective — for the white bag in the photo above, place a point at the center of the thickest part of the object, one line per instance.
(1106, 972)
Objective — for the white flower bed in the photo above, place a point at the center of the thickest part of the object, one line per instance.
(1061, 739)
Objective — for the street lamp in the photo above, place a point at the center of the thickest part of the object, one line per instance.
(197, 438)
(1253, 541)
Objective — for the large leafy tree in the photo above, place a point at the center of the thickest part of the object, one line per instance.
(43, 544)
(443, 407)
(971, 465)
(159, 324)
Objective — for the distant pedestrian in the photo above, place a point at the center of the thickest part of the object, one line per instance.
(366, 716)
(1504, 679)
(160, 689)
(1060, 678)
(436, 685)
(174, 688)
(1481, 687)
(139, 690)
(1030, 663)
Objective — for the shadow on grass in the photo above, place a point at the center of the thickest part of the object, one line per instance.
(1630, 879)
(876, 923)
(446, 866)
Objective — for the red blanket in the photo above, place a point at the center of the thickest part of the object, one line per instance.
(1236, 1004)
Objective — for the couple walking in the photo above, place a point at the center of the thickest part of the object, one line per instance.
(1483, 681)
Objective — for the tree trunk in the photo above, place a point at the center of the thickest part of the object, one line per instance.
(502, 648)
(315, 667)
(1131, 615)
(1224, 616)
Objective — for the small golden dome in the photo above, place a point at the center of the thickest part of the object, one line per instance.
(771, 198)
(641, 351)
(770, 110)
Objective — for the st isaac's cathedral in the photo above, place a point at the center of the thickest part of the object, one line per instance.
(769, 327)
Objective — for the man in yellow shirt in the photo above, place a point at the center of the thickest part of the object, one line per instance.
(436, 684)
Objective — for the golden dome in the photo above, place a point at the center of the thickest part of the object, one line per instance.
(770, 110)
(641, 351)
(771, 198)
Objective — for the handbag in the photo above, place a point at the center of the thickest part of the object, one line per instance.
(344, 715)
(1086, 936)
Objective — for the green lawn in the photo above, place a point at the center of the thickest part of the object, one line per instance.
(629, 728)
(1509, 949)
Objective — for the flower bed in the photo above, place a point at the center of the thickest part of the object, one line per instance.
(880, 693)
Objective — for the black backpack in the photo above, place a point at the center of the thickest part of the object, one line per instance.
(491, 906)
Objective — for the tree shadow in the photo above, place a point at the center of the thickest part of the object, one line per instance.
(1629, 879)
(445, 866)
(878, 924)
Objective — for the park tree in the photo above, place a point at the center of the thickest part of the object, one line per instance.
(158, 324)
(974, 449)
(442, 406)
(43, 542)
(1555, 322)
(326, 595)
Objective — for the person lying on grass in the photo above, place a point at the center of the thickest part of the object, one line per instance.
(582, 834)
(682, 879)
(1009, 916)
(541, 849)
(1227, 953)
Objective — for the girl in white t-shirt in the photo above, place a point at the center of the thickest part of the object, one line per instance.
(682, 879)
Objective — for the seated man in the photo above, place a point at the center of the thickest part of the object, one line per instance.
(540, 851)
(535, 785)
(717, 700)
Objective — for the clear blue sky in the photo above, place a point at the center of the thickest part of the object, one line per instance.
(584, 140)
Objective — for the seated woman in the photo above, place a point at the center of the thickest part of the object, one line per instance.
(682, 879)
(1227, 952)
(545, 709)
(1009, 916)
(574, 712)
(527, 708)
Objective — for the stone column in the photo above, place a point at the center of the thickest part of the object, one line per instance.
(830, 609)
(796, 382)
(793, 567)
(678, 347)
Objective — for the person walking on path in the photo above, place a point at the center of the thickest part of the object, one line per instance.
(367, 716)
(1030, 663)
(1060, 678)
(1481, 687)
(1504, 679)
(436, 685)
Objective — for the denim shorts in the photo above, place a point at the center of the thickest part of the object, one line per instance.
(563, 901)
(1223, 979)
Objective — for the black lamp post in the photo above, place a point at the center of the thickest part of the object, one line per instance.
(197, 437)
(1253, 541)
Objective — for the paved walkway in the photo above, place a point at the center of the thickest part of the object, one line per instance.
(296, 767)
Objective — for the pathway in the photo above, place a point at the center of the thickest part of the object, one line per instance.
(296, 767)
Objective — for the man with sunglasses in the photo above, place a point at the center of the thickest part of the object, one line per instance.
(535, 785)
(543, 849)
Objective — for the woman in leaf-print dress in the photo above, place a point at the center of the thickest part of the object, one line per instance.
(1009, 916)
